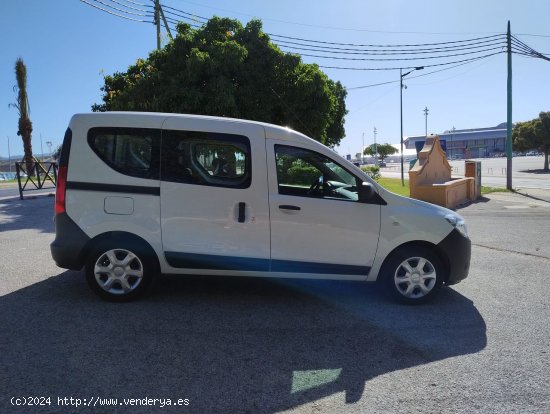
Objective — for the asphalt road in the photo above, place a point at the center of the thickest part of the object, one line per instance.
(250, 345)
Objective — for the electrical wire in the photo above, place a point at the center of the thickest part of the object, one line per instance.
(522, 48)
(115, 14)
(134, 8)
(416, 76)
(342, 50)
(120, 10)
(404, 58)
(387, 46)
(410, 67)
(437, 50)
(137, 4)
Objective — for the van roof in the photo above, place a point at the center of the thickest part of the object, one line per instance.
(271, 130)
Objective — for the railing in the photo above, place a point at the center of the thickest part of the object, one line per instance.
(36, 179)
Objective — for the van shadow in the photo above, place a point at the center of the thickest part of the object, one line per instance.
(226, 344)
(16, 214)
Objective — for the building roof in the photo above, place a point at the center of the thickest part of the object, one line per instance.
(498, 131)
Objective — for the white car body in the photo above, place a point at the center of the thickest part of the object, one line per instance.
(250, 230)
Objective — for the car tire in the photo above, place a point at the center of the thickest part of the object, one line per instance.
(413, 275)
(120, 271)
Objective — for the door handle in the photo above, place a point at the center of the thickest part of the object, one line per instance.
(242, 207)
(289, 207)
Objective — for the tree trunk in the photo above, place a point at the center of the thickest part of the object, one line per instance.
(546, 157)
(25, 129)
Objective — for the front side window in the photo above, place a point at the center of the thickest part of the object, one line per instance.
(130, 151)
(306, 173)
(203, 158)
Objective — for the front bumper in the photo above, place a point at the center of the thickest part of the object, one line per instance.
(457, 251)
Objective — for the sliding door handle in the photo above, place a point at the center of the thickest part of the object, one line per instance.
(288, 207)
(242, 207)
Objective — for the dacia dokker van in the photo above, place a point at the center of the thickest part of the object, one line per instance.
(141, 194)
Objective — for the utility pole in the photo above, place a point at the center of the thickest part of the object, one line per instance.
(426, 110)
(158, 14)
(509, 112)
(375, 148)
(157, 21)
(41, 148)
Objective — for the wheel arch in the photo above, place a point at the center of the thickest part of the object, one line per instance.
(124, 237)
(418, 243)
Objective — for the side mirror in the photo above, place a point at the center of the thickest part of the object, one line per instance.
(365, 191)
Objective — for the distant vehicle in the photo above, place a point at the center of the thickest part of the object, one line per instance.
(381, 164)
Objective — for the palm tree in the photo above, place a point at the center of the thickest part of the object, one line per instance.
(22, 105)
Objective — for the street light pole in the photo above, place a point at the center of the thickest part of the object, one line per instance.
(375, 149)
(401, 76)
(426, 115)
(451, 147)
(363, 150)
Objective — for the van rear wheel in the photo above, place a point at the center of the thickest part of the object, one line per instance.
(119, 272)
(413, 275)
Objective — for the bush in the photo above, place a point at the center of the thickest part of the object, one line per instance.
(373, 171)
(302, 175)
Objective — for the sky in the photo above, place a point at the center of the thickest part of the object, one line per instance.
(68, 46)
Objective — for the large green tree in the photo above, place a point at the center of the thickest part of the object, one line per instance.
(225, 69)
(534, 134)
(383, 150)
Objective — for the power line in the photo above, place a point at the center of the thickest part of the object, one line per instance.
(387, 46)
(522, 48)
(404, 58)
(115, 14)
(409, 67)
(416, 76)
(355, 50)
(120, 10)
(137, 4)
(438, 50)
(133, 8)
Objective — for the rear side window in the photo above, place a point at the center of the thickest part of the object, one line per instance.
(203, 158)
(130, 151)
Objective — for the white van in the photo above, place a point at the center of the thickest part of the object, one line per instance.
(140, 194)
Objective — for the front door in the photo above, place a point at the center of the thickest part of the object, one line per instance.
(318, 226)
(214, 209)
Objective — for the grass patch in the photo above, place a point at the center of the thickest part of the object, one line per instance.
(487, 190)
(394, 185)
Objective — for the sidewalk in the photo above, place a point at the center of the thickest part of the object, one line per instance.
(540, 194)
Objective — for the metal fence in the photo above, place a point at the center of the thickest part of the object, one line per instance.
(42, 175)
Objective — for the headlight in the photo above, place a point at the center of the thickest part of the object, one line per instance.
(458, 223)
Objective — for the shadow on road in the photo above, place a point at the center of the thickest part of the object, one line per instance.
(16, 214)
(539, 171)
(227, 344)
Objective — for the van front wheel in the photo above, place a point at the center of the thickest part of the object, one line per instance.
(413, 275)
(120, 273)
